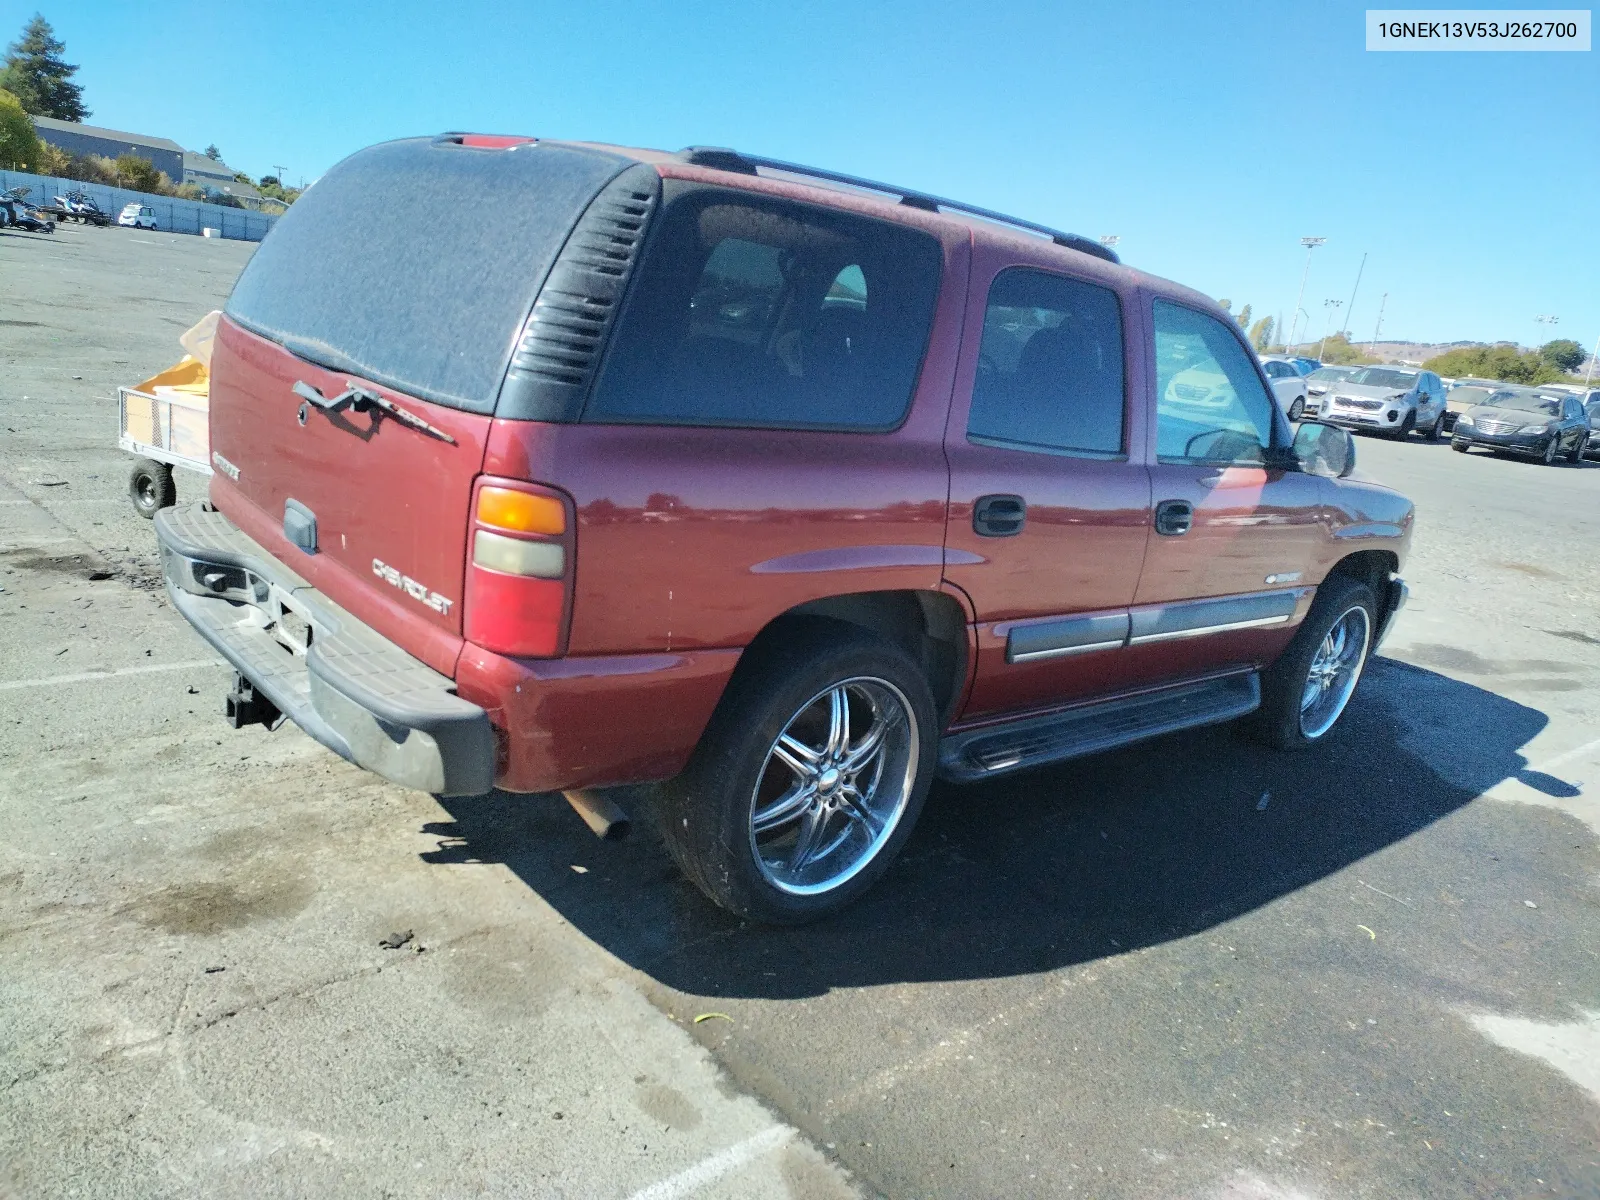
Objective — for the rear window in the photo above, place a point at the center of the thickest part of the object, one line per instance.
(414, 264)
(752, 311)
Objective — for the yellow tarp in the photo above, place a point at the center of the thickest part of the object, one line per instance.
(189, 379)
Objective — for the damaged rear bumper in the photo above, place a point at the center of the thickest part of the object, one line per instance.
(341, 681)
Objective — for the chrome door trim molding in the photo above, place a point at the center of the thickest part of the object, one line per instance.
(1203, 630)
(1057, 637)
(1085, 633)
(1064, 651)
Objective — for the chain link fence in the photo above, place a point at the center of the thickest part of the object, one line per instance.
(172, 215)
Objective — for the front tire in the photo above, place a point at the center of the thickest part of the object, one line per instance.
(1406, 426)
(1460, 445)
(810, 777)
(1549, 458)
(1306, 691)
(1575, 455)
(1297, 409)
(1436, 430)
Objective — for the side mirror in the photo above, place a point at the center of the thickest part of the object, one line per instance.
(1325, 450)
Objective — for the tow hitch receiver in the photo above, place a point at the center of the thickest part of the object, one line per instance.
(246, 707)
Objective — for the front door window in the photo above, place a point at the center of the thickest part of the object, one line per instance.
(1211, 405)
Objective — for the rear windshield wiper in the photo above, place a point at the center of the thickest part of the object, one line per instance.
(359, 399)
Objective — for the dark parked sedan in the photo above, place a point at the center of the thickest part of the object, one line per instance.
(1526, 421)
(1593, 413)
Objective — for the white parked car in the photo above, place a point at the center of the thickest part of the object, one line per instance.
(137, 216)
(1288, 385)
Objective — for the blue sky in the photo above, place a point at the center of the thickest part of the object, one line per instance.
(1211, 138)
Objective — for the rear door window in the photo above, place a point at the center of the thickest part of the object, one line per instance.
(1211, 405)
(758, 312)
(1050, 366)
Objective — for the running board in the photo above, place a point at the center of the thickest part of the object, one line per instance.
(1089, 729)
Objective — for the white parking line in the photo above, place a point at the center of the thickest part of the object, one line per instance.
(1576, 752)
(709, 1170)
(12, 685)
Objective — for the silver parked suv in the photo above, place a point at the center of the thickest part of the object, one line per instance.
(1391, 400)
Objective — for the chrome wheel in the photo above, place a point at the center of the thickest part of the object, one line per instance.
(1334, 671)
(834, 786)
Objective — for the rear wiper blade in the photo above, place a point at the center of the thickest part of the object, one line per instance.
(360, 399)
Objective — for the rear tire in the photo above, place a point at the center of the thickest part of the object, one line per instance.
(729, 818)
(1305, 693)
(1575, 455)
(150, 487)
(1297, 409)
(1436, 430)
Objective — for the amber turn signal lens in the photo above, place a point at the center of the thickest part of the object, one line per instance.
(520, 512)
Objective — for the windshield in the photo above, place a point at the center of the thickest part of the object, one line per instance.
(1380, 377)
(1332, 373)
(1475, 394)
(1526, 402)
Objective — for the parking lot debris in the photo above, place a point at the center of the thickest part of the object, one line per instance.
(214, 970)
(1369, 932)
(1261, 804)
(396, 940)
(1530, 904)
(711, 1016)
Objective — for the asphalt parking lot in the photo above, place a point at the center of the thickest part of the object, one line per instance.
(1189, 969)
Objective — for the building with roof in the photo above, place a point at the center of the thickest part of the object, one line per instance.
(215, 176)
(75, 138)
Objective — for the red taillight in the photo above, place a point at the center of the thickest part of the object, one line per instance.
(519, 569)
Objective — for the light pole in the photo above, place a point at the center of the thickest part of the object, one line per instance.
(1310, 243)
(1351, 311)
(1589, 372)
(1372, 346)
(1332, 306)
(280, 171)
(1546, 319)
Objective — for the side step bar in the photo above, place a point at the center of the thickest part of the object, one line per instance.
(1089, 729)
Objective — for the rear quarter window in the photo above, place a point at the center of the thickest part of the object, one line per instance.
(752, 311)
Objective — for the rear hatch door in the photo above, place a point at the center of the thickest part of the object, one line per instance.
(407, 273)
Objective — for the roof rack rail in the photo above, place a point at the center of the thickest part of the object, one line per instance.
(722, 159)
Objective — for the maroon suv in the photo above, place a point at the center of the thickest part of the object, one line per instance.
(787, 489)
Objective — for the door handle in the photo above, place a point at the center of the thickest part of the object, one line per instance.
(1174, 517)
(999, 516)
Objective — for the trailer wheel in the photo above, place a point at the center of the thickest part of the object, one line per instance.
(151, 488)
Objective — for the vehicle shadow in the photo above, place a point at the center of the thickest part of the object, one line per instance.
(1044, 869)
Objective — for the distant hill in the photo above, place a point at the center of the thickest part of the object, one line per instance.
(1401, 351)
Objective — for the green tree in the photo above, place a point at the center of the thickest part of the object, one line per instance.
(1244, 317)
(19, 145)
(1226, 305)
(141, 175)
(1564, 354)
(1502, 362)
(213, 153)
(1261, 333)
(35, 74)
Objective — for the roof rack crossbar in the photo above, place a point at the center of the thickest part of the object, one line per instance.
(922, 200)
